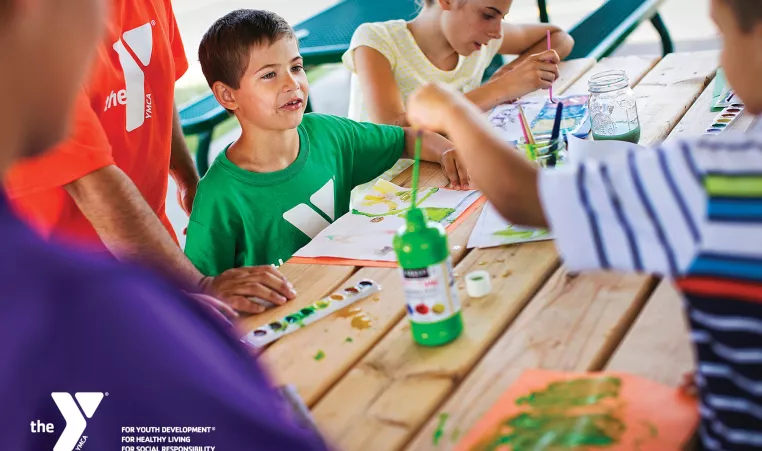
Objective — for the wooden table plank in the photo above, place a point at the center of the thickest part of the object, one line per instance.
(658, 345)
(675, 77)
(636, 67)
(394, 389)
(573, 324)
(669, 90)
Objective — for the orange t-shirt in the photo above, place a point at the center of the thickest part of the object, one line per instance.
(123, 116)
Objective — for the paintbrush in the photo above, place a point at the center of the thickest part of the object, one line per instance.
(528, 136)
(416, 167)
(551, 85)
(556, 133)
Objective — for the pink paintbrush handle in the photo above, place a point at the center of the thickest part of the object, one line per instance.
(549, 48)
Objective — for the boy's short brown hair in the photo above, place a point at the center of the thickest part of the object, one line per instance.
(748, 12)
(224, 49)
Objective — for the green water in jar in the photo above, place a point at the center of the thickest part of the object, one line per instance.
(622, 133)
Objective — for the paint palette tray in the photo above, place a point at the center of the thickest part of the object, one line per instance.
(312, 313)
(725, 119)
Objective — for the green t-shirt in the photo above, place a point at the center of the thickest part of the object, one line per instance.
(243, 218)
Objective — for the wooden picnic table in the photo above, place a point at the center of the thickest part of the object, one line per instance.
(375, 389)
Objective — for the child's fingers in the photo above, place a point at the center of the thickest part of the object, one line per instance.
(448, 165)
(549, 71)
(550, 56)
(462, 174)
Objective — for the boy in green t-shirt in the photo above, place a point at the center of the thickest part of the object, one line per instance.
(289, 175)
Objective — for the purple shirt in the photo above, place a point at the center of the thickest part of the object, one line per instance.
(70, 323)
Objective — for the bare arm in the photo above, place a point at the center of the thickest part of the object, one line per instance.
(132, 231)
(503, 175)
(529, 39)
(379, 88)
(181, 166)
(126, 223)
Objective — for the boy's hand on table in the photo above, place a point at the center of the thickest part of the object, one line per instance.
(236, 286)
(455, 170)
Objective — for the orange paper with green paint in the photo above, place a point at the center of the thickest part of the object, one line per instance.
(551, 410)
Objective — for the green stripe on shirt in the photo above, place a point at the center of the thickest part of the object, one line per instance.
(733, 185)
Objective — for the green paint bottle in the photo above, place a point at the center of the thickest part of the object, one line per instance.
(433, 306)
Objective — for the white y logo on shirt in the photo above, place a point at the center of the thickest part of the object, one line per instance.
(140, 41)
(309, 221)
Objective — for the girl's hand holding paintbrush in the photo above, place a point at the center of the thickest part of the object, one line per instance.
(538, 71)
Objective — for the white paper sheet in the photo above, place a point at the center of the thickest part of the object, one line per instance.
(584, 149)
(492, 230)
(366, 232)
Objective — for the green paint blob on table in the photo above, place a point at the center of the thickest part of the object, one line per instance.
(320, 355)
(439, 432)
(573, 393)
(568, 415)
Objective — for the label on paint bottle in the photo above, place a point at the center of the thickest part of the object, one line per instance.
(431, 293)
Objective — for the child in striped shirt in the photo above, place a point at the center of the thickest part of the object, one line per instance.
(689, 209)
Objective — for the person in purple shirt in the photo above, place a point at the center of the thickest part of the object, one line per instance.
(91, 351)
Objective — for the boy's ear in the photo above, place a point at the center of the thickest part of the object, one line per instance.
(225, 95)
(446, 5)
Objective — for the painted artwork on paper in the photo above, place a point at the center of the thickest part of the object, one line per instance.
(505, 118)
(366, 232)
(492, 230)
(575, 119)
(553, 411)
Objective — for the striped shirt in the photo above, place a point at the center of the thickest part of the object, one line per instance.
(691, 210)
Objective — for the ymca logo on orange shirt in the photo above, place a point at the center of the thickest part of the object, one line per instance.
(137, 42)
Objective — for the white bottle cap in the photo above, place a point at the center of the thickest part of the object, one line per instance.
(478, 284)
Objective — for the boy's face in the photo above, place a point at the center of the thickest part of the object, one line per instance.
(741, 55)
(469, 24)
(273, 91)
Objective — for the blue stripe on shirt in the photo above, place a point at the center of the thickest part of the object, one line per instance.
(651, 212)
(735, 209)
(730, 266)
(691, 162)
(617, 205)
(678, 195)
(592, 217)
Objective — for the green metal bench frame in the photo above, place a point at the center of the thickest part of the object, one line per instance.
(325, 37)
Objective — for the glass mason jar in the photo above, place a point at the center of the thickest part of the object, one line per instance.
(613, 110)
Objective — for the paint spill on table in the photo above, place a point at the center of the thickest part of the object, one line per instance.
(439, 432)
